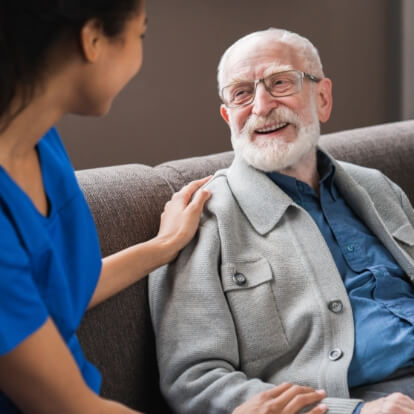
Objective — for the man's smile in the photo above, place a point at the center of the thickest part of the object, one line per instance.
(272, 128)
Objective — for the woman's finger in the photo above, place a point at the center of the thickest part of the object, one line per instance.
(197, 204)
(188, 190)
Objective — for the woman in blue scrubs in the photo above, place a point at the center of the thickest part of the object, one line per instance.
(59, 57)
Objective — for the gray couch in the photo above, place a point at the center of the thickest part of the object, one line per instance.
(126, 202)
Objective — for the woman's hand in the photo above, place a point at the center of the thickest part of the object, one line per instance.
(283, 399)
(181, 216)
(179, 222)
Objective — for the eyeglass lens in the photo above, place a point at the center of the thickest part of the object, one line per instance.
(277, 84)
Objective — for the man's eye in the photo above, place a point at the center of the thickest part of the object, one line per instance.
(279, 82)
(241, 93)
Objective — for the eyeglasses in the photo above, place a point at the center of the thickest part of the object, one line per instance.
(277, 84)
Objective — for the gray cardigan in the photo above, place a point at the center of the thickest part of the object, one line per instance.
(246, 304)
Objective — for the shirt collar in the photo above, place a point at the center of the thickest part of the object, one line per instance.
(297, 189)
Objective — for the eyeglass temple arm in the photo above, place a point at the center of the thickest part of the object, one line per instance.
(311, 77)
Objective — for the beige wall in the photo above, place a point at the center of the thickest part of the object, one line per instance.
(171, 109)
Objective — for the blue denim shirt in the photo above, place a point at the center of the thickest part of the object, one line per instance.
(381, 298)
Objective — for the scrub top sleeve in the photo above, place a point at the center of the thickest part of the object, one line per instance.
(22, 310)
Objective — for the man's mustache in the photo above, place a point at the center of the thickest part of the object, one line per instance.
(276, 116)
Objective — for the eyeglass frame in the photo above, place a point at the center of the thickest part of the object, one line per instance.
(304, 75)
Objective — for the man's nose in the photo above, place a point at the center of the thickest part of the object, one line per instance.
(263, 102)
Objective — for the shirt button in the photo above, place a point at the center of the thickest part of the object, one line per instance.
(335, 306)
(239, 279)
(335, 354)
(350, 247)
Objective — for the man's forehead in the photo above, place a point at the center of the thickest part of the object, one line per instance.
(257, 58)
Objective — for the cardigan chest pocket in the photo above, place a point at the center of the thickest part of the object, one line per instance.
(248, 289)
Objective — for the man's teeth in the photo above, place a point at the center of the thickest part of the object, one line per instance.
(272, 128)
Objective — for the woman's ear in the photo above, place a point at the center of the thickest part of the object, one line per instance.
(324, 99)
(91, 40)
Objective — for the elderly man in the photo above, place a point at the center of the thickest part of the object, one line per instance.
(302, 270)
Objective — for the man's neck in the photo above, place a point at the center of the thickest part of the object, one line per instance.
(305, 170)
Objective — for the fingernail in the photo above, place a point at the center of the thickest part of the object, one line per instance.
(322, 392)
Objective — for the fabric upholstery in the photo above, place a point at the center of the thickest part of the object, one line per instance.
(387, 147)
(126, 202)
(180, 172)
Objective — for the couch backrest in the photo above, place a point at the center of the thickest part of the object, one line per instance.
(387, 147)
(126, 202)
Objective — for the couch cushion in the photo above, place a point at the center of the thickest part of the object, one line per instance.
(126, 203)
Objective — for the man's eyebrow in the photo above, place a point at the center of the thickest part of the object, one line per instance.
(276, 68)
(239, 80)
(268, 71)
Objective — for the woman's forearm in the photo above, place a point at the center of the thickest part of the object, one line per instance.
(126, 267)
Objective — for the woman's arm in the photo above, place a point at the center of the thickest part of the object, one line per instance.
(179, 222)
(41, 377)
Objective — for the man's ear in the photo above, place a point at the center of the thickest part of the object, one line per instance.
(224, 113)
(91, 40)
(324, 99)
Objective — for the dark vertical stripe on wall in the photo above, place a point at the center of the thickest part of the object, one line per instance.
(394, 60)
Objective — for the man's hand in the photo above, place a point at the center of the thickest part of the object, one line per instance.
(395, 403)
(283, 399)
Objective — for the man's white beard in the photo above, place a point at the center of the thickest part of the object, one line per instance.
(268, 154)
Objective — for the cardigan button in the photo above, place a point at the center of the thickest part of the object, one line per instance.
(335, 306)
(239, 279)
(335, 354)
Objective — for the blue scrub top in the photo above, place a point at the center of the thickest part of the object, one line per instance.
(49, 266)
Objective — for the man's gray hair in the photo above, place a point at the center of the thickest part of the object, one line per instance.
(303, 46)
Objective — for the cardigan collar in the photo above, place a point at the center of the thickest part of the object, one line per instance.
(263, 202)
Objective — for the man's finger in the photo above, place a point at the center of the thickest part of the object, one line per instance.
(276, 391)
(301, 400)
(295, 391)
(319, 409)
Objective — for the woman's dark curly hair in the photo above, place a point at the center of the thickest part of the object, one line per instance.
(28, 30)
